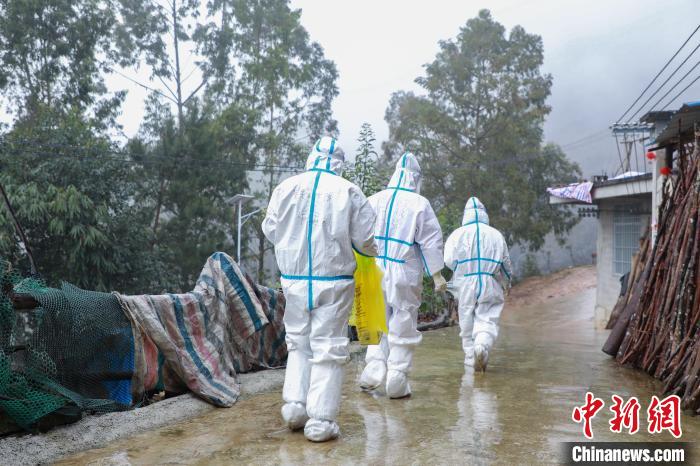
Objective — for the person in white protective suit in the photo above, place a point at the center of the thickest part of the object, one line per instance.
(315, 219)
(409, 240)
(478, 255)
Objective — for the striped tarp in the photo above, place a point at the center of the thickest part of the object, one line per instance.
(577, 191)
(201, 339)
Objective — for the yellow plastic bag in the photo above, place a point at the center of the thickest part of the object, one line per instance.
(368, 310)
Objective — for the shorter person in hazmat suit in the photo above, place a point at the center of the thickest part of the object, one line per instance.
(478, 255)
(315, 219)
(409, 240)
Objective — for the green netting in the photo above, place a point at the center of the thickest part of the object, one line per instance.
(74, 353)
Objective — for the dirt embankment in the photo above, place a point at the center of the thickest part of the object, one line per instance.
(536, 290)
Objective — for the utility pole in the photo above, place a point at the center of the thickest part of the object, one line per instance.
(237, 201)
(625, 130)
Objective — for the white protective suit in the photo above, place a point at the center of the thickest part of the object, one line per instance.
(409, 240)
(315, 219)
(478, 255)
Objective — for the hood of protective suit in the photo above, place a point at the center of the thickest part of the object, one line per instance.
(474, 211)
(326, 154)
(407, 174)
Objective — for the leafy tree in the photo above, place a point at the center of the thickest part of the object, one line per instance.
(282, 76)
(204, 164)
(71, 186)
(52, 55)
(365, 172)
(165, 40)
(72, 190)
(195, 157)
(478, 130)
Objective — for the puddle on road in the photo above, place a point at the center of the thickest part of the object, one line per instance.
(545, 360)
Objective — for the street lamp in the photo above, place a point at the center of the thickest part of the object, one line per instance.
(237, 201)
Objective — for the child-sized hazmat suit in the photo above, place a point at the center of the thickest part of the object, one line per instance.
(478, 255)
(315, 219)
(409, 240)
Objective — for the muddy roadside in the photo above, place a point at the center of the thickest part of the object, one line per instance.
(536, 290)
(98, 431)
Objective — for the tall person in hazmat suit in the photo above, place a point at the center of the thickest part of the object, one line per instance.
(409, 240)
(315, 219)
(478, 255)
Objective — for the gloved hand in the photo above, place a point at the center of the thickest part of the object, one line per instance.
(440, 283)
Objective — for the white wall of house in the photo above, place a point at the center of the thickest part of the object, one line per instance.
(608, 288)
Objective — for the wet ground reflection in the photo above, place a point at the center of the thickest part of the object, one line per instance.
(546, 358)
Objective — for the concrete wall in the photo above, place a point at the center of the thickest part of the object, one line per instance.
(577, 250)
(608, 288)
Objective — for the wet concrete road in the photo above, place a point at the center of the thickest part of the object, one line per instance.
(545, 360)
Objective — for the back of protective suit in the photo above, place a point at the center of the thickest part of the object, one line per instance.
(478, 255)
(409, 240)
(315, 219)
(407, 230)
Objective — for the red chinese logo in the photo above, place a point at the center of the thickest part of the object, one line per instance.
(661, 415)
(626, 415)
(665, 415)
(587, 412)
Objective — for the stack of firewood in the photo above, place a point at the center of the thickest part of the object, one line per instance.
(656, 323)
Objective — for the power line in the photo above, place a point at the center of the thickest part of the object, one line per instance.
(585, 139)
(124, 157)
(658, 74)
(664, 83)
(675, 85)
(161, 160)
(681, 92)
(585, 143)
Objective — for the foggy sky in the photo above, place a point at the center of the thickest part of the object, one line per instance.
(601, 54)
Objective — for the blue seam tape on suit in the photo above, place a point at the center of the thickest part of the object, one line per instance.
(472, 222)
(391, 208)
(462, 261)
(395, 240)
(322, 170)
(479, 258)
(308, 239)
(311, 277)
(320, 278)
(478, 248)
(391, 259)
(503, 267)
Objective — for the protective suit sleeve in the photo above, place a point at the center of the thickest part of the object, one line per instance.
(362, 224)
(506, 267)
(269, 224)
(451, 250)
(429, 239)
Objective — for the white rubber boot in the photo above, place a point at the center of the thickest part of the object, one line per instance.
(294, 415)
(397, 384)
(318, 430)
(469, 355)
(373, 375)
(469, 361)
(481, 358)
